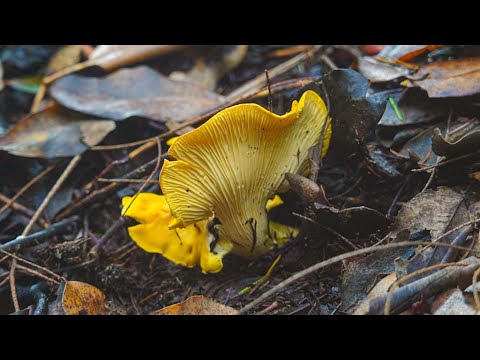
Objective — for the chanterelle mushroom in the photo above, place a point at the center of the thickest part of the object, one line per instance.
(234, 163)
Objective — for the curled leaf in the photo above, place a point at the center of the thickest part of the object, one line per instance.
(197, 305)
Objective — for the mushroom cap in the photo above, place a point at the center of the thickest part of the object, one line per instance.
(187, 247)
(235, 162)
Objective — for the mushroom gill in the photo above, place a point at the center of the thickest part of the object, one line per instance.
(234, 163)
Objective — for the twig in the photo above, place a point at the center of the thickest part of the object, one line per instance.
(280, 287)
(22, 241)
(128, 181)
(396, 284)
(13, 287)
(38, 98)
(36, 273)
(18, 258)
(395, 200)
(326, 59)
(340, 236)
(269, 86)
(80, 204)
(52, 192)
(25, 188)
(259, 81)
(446, 162)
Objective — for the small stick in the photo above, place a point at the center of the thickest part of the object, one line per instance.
(281, 286)
(36, 273)
(395, 200)
(13, 287)
(446, 162)
(22, 241)
(269, 85)
(259, 81)
(128, 181)
(326, 59)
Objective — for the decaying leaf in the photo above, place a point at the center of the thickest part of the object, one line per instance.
(388, 64)
(381, 288)
(406, 52)
(197, 305)
(464, 145)
(138, 91)
(79, 298)
(28, 84)
(377, 71)
(419, 148)
(453, 78)
(66, 56)
(354, 113)
(207, 71)
(54, 132)
(454, 302)
(111, 57)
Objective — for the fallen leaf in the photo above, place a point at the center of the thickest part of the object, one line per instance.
(377, 71)
(210, 68)
(19, 60)
(453, 78)
(54, 132)
(111, 57)
(66, 56)
(406, 52)
(453, 302)
(437, 211)
(380, 289)
(383, 162)
(419, 148)
(371, 49)
(138, 91)
(415, 106)
(464, 145)
(354, 113)
(197, 305)
(79, 298)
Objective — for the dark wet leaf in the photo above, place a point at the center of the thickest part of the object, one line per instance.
(1, 76)
(415, 106)
(354, 113)
(419, 148)
(54, 132)
(197, 305)
(464, 145)
(138, 91)
(383, 162)
(454, 302)
(453, 78)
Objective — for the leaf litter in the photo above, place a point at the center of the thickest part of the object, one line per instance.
(413, 124)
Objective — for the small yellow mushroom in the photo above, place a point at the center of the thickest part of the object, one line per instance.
(234, 163)
(187, 247)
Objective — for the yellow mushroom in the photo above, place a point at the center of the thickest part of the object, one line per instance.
(187, 247)
(234, 163)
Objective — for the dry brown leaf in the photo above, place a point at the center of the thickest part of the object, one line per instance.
(111, 57)
(453, 78)
(377, 71)
(406, 52)
(66, 56)
(54, 132)
(138, 91)
(207, 72)
(197, 305)
(82, 299)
